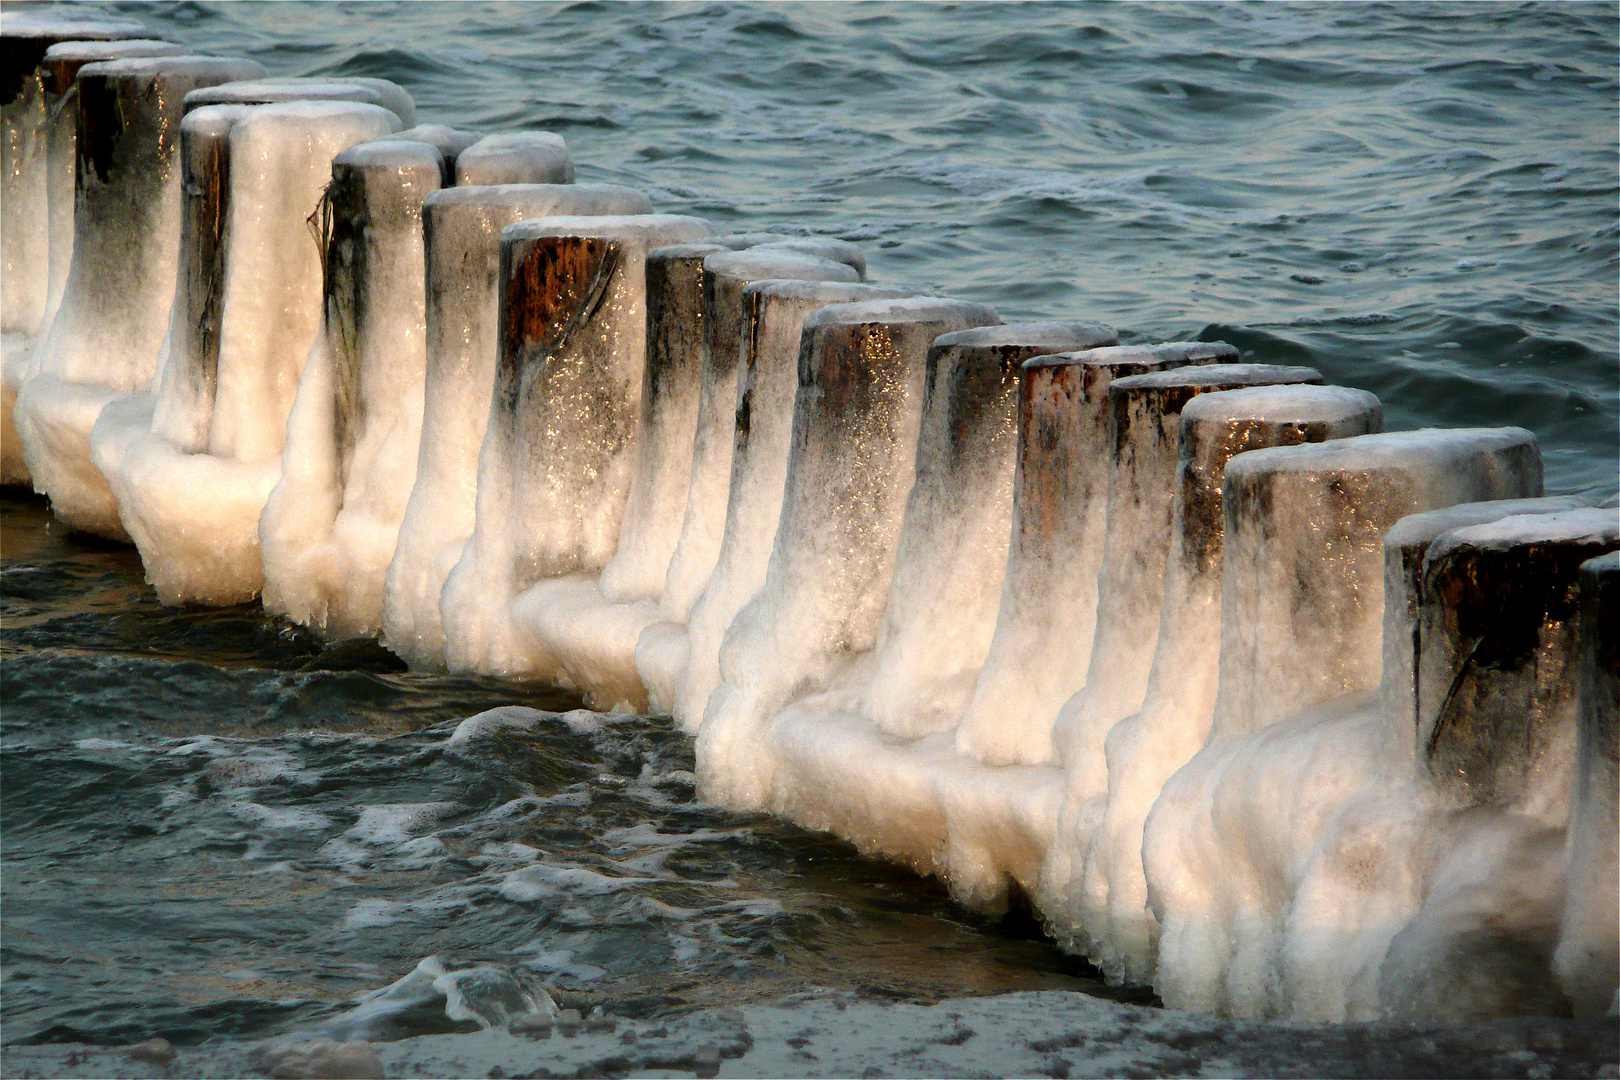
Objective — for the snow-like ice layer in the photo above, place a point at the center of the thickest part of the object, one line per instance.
(192, 465)
(1587, 960)
(1146, 427)
(1497, 684)
(524, 157)
(52, 146)
(329, 529)
(856, 424)
(1092, 891)
(1044, 626)
(450, 142)
(766, 387)
(272, 90)
(593, 638)
(554, 469)
(462, 229)
(108, 333)
(1285, 860)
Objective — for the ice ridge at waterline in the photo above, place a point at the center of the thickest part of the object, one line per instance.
(1257, 703)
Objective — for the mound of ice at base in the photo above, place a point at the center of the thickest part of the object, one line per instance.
(463, 228)
(329, 528)
(554, 470)
(44, 137)
(592, 628)
(106, 338)
(192, 465)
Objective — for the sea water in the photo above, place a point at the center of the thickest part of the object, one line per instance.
(216, 826)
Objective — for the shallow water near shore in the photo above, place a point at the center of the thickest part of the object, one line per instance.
(216, 827)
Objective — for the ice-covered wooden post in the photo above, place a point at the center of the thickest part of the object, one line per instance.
(108, 333)
(1497, 658)
(192, 469)
(853, 459)
(1302, 598)
(1588, 956)
(58, 72)
(1048, 608)
(952, 551)
(524, 157)
(554, 470)
(591, 627)
(462, 228)
(1146, 431)
(27, 91)
(1102, 905)
(767, 384)
(329, 528)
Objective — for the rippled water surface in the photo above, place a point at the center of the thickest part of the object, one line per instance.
(214, 825)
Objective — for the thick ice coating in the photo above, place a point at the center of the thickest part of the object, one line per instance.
(952, 553)
(462, 229)
(108, 332)
(863, 369)
(763, 430)
(1587, 960)
(523, 157)
(274, 91)
(1092, 889)
(329, 528)
(1285, 856)
(1498, 683)
(1044, 625)
(43, 134)
(26, 96)
(192, 465)
(583, 624)
(554, 470)
(1146, 428)
(449, 141)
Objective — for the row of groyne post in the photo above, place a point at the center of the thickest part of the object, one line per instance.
(1254, 702)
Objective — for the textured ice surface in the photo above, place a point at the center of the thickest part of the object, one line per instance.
(863, 369)
(554, 470)
(1092, 889)
(591, 633)
(107, 335)
(524, 157)
(1047, 614)
(272, 91)
(1146, 427)
(767, 383)
(43, 134)
(1288, 853)
(462, 228)
(1587, 961)
(192, 465)
(329, 529)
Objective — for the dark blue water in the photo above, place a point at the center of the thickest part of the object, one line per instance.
(214, 825)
